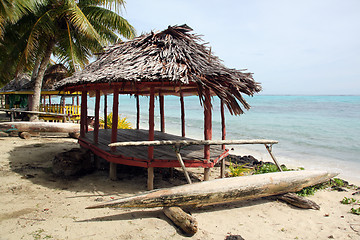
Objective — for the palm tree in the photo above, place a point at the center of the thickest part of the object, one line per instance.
(71, 30)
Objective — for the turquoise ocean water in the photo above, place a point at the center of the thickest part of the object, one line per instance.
(315, 132)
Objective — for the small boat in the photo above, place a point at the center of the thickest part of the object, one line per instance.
(39, 127)
(223, 190)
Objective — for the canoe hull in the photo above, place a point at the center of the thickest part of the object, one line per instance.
(223, 190)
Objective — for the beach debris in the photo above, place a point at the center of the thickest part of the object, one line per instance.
(234, 237)
(223, 190)
(75, 135)
(298, 201)
(74, 162)
(185, 221)
(3, 134)
(25, 135)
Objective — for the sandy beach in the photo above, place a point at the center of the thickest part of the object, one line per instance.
(35, 204)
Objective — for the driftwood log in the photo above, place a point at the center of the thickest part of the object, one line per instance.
(223, 190)
(298, 201)
(181, 219)
(39, 127)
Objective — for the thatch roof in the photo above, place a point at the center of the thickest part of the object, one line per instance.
(173, 56)
(17, 83)
(53, 74)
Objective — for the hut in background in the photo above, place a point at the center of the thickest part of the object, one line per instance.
(17, 94)
(170, 62)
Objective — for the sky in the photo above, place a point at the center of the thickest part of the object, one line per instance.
(305, 47)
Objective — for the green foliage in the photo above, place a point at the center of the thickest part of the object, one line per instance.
(78, 28)
(308, 191)
(348, 200)
(338, 182)
(268, 168)
(122, 122)
(355, 211)
(238, 170)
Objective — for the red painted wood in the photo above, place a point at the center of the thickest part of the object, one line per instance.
(207, 123)
(83, 116)
(151, 122)
(162, 115)
(50, 100)
(115, 117)
(223, 128)
(97, 109)
(182, 114)
(137, 112)
(105, 111)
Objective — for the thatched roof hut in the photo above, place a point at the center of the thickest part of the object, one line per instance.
(171, 62)
(17, 83)
(173, 57)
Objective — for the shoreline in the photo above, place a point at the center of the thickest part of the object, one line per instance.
(348, 175)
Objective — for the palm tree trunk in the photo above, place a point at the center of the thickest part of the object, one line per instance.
(39, 79)
(36, 69)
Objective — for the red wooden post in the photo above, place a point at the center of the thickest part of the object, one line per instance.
(64, 110)
(223, 129)
(151, 122)
(115, 117)
(182, 114)
(96, 124)
(50, 99)
(137, 112)
(83, 116)
(72, 100)
(105, 111)
(207, 123)
(162, 116)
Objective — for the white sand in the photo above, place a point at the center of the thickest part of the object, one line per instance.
(47, 207)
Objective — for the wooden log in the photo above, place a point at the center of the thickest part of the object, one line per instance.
(185, 221)
(39, 127)
(75, 135)
(298, 201)
(25, 135)
(192, 142)
(224, 190)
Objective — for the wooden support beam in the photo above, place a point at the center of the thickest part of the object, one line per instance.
(151, 123)
(105, 111)
(179, 158)
(112, 171)
(207, 123)
(137, 112)
(206, 174)
(96, 124)
(269, 149)
(182, 114)
(64, 110)
(162, 115)
(115, 117)
(223, 137)
(150, 180)
(83, 117)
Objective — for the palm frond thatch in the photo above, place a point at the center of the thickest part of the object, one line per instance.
(171, 56)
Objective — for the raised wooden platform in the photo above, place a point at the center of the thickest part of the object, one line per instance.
(164, 156)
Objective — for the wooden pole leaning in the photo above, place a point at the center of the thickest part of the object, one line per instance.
(269, 149)
(179, 158)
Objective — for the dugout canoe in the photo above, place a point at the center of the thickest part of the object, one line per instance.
(223, 190)
(39, 127)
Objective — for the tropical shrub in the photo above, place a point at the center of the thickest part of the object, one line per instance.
(123, 123)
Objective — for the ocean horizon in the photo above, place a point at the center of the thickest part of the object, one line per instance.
(314, 131)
